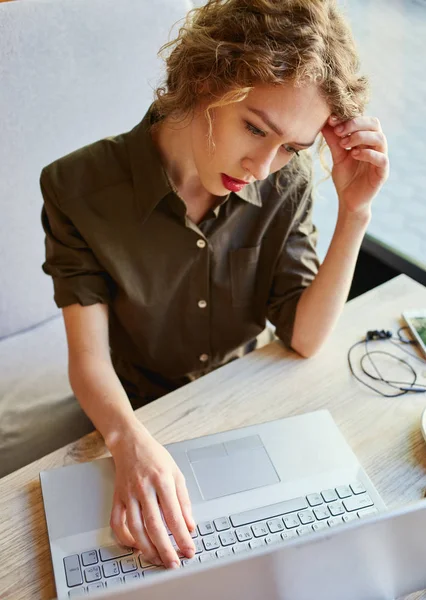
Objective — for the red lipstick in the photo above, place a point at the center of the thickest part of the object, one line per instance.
(231, 184)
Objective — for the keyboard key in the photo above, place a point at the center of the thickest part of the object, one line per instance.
(227, 538)
(336, 508)
(155, 571)
(366, 512)
(243, 534)
(207, 557)
(306, 517)
(113, 583)
(224, 552)
(131, 577)
(288, 535)
(128, 564)
(335, 521)
(275, 525)
(95, 586)
(314, 499)
(73, 570)
(348, 517)
(115, 551)
(329, 495)
(291, 521)
(111, 569)
(190, 562)
(259, 529)
(222, 524)
(304, 530)
(357, 487)
(89, 558)
(144, 563)
(256, 543)
(268, 512)
(78, 592)
(205, 528)
(241, 548)
(92, 574)
(322, 512)
(211, 542)
(275, 538)
(344, 491)
(319, 526)
(357, 502)
(198, 546)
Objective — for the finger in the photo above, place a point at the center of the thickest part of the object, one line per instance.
(173, 517)
(374, 139)
(137, 530)
(358, 124)
(119, 525)
(156, 530)
(338, 153)
(378, 159)
(184, 501)
(333, 120)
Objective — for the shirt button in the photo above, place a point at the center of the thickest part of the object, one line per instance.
(204, 357)
(201, 243)
(202, 304)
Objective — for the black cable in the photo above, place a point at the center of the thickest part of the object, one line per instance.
(409, 386)
(405, 341)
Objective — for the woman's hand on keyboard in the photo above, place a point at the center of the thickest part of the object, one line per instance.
(147, 483)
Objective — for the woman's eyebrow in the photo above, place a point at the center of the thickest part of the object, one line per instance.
(277, 130)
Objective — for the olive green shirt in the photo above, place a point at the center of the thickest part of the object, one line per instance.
(183, 298)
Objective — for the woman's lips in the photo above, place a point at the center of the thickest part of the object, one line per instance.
(233, 185)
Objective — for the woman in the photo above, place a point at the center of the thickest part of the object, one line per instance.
(166, 266)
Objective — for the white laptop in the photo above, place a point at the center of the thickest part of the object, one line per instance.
(283, 510)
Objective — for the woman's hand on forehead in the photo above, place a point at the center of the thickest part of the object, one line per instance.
(359, 151)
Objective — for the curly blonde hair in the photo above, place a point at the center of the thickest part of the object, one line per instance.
(227, 47)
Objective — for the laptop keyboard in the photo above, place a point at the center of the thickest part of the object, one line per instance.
(111, 566)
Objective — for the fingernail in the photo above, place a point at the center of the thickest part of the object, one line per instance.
(333, 118)
(174, 565)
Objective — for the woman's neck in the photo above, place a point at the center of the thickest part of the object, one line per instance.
(173, 144)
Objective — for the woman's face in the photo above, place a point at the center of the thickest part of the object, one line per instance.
(247, 147)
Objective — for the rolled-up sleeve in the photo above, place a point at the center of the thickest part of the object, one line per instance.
(295, 270)
(78, 278)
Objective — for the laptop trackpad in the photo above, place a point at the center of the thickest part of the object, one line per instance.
(234, 466)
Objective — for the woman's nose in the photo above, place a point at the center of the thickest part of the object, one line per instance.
(260, 166)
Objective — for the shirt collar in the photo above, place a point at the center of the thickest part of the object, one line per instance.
(149, 177)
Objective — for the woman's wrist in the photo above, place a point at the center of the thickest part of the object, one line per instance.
(358, 220)
(124, 432)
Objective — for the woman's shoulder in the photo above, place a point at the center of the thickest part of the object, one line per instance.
(88, 169)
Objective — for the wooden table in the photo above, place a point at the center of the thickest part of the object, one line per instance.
(267, 384)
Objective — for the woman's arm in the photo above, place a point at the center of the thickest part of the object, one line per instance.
(147, 478)
(321, 304)
(92, 375)
(360, 167)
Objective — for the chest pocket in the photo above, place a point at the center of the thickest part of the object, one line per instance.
(243, 265)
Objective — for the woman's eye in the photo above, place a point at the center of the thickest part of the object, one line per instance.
(291, 150)
(255, 131)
